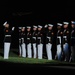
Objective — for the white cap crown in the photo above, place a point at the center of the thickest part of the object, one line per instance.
(39, 26)
(66, 23)
(50, 25)
(28, 27)
(59, 24)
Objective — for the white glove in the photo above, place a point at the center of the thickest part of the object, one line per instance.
(46, 26)
(19, 27)
(13, 28)
(5, 23)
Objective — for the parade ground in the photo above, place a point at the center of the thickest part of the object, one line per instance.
(16, 60)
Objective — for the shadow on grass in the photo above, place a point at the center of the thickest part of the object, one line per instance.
(61, 63)
(1, 54)
(17, 53)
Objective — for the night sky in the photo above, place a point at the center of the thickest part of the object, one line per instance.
(20, 13)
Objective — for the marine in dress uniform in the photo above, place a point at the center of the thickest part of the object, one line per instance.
(72, 58)
(34, 41)
(46, 27)
(29, 41)
(20, 48)
(66, 39)
(59, 41)
(7, 39)
(49, 41)
(23, 40)
(40, 42)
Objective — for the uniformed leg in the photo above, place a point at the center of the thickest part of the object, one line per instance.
(48, 49)
(29, 52)
(34, 50)
(40, 51)
(59, 52)
(66, 51)
(23, 50)
(6, 50)
(73, 53)
(20, 50)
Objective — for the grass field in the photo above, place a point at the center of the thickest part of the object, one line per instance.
(26, 60)
(32, 61)
(14, 58)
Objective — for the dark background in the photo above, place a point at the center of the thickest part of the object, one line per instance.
(35, 13)
(22, 13)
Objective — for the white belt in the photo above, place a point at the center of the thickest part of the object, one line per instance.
(59, 37)
(28, 38)
(48, 37)
(39, 37)
(34, 37)
(64, 36)
(7, 35)
(22, 38)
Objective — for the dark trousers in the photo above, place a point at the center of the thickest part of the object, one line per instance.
(73, 53)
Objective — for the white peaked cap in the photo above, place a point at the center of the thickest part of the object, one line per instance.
(50, 25)
(39, 26)
(65, 22)
(35, 26)
(59, 24)
(5, 23)
(20, 27)
(73, 22)
(28, 27)
(23, 27)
